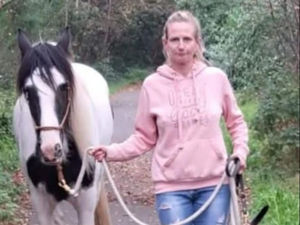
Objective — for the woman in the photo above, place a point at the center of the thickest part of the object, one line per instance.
(178, 116)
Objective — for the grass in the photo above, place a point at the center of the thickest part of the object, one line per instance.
(283, 201)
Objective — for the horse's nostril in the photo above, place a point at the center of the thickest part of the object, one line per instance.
(57, 151)
(57, 147)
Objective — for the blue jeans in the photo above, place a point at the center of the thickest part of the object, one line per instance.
(175, 206)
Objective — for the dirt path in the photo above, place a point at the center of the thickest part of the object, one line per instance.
(132, 177)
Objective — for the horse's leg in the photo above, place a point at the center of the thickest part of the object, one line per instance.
(85, 205)
(102, 216)
(44, 205)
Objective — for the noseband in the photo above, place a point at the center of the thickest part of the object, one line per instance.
(61, 125)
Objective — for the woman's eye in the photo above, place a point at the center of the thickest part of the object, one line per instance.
(174, 40)
(187, 39)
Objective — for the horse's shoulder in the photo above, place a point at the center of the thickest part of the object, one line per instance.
(79, 68)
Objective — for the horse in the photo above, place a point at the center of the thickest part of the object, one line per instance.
(62, 109)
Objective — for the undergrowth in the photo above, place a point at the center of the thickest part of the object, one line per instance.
(9, 190)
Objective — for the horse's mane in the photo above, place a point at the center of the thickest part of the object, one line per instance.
(44, 56)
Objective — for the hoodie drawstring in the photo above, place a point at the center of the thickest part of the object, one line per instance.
(179, 127)
(198, 115)
(200, 105)
(179, 114)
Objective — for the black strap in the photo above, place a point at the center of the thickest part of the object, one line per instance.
(236, 163)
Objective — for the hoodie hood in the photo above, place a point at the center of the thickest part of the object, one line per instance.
(168, 72)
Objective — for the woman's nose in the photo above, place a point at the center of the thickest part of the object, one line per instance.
(180, 44)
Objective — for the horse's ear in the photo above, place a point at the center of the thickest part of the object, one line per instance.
(24, 43)
(65, 39)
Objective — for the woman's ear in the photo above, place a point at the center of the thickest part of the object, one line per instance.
(164, 47)
(164, 41)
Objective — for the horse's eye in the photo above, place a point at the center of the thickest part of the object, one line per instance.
(64, 87)
(26, 94)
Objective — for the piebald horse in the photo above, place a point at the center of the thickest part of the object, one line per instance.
(62, 109)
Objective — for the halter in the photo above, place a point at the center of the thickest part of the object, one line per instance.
(61, 179)
(61, 125)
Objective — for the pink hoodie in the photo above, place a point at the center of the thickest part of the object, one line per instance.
(179, 118)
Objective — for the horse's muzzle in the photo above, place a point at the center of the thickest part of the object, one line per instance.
(52, 155)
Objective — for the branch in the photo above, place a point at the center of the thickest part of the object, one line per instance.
(143, 4)
(289, 24)
(107, 28)
(283, 37)
(4, 4)
(295, 9)
(271, 10)
(67, 13)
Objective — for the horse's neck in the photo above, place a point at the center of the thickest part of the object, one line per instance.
(83, 126)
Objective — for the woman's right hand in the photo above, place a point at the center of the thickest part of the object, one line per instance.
(99, 153)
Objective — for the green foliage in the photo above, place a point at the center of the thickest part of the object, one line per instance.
(135, 74)
(34, 17)
(113, 36)
(105, 68)
(249, 109)
(8, 197)
(278, 122)
(132, 76)
(88, 29)
(233, 38)
(9, 160)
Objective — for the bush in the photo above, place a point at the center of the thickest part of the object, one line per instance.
(277, 121)
(9, 162)
(140, 44)
(105, 68)
(135, 74)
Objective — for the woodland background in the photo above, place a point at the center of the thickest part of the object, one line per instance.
(255, 41)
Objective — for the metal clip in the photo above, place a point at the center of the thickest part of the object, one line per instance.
(62, 183)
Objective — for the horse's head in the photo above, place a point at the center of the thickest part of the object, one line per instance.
(45, 80)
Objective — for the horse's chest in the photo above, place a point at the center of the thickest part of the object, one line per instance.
(40, 173)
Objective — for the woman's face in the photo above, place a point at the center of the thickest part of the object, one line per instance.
(181, 45)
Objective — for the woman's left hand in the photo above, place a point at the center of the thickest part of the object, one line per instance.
(99, 153)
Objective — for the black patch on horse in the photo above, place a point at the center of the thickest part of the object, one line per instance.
(61, 100)
(47, 174)
(32, 98)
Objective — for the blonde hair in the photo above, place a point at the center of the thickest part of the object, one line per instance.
(186, 16)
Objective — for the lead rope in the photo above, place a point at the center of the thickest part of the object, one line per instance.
(75, 191)
(187, 220)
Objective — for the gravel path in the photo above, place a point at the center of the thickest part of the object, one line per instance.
(132, 177)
